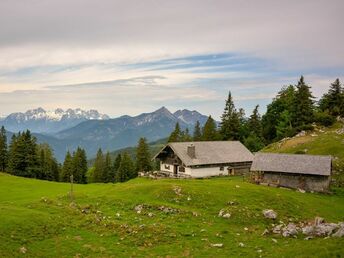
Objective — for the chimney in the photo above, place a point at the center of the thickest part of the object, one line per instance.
(191, 151)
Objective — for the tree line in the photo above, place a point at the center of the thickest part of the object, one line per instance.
(291, 111)
(23, 156)
(123, 167)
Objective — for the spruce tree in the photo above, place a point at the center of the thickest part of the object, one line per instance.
(67, 168)
(116, 165)
(99, 165)
(126, 169)
(209, 131)
(303, 112)
(79, 166)
(333, 101)
(3, 150)
(143, 158)
(230, 123)
(175, 135)
(108, 176)
(197, 134)
(254, 123)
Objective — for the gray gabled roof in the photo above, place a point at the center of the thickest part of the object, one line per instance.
(292, 163)
(211, 152)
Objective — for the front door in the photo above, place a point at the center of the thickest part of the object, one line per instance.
(175, 170)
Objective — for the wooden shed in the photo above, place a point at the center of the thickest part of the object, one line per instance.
(299, 171)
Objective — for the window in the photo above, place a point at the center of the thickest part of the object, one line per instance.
(167, 166)
(181, 169)
(222, 168)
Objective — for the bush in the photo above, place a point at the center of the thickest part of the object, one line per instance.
(324, 119)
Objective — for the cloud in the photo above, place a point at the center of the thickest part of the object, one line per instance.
(131, 56)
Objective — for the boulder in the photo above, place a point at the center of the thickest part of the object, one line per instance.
(270, 214)
(340, 231)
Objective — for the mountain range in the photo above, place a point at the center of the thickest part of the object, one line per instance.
(98, 131)
(41, 121)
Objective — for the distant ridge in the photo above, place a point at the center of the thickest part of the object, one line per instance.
(41, 121)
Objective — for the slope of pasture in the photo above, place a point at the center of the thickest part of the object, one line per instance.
(37, 219)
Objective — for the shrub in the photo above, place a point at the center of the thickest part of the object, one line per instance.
(324, 119)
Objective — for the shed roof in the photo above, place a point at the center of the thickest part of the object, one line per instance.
(292, 163)
(211, 152)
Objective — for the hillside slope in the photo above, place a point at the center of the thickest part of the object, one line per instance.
(321, 141)
(177, 218)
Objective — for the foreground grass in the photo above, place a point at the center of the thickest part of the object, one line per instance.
(103, 223)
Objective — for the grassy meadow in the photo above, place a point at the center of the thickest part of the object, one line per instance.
(37, 219)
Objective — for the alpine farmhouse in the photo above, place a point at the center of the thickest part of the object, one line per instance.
(204, 159)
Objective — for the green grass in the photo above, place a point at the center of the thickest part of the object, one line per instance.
(51, 227)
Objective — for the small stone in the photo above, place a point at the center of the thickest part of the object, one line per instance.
(237, 186)
(150, 214)
(274, 240)
(241, 244)
(265, 232)
(23, 249)
(217, 245)
(246, 229)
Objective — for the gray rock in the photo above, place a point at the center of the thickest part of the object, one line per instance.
(290, 230)
(340, 231)
(270, 214)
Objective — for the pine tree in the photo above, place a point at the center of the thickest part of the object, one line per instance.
(99, 164)
(333, 101)
(3, 150)
(24, 158)
(108, 177)
(230, 123)
(116, 165)
(67, 168)
(197, 134)
(126, 169)
(209, 131)
(79, 166)
(48, 166)
(143, 159)
(175, 135)
(303, 112)
(186, 136)
(255, 123)
(283, 102)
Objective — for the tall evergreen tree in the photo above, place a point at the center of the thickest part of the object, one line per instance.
(303, 112)
(230, 123)
(126, 169)
(197, 134)
(67, 168)
(116, 165)
(210, 131)
(3, 150)
(255, 123)
(333, 101)
(283, 102)
(49, 168)
(99, 164)
(108, 176)
(24, 158)
(176, 134)
(79, 166)
(143, 159)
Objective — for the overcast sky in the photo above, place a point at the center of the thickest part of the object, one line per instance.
(129, 57)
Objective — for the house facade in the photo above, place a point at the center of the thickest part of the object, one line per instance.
(307, 172)
(204, 159)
